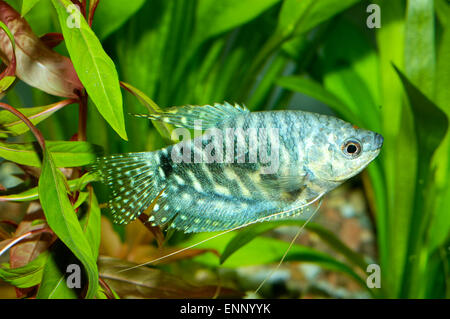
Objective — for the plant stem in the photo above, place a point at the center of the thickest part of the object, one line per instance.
(33, 128)
(82, 121)
(92, 7)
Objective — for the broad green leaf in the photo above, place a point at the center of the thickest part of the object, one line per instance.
(440, 225)
(32, 193)
(420, 57)
(62, 219)
(65, 154)
(54, 276)
(94, 67)
(431, 125)
(315, 90)
(10, 124)
(249, 233)
(398, 152)
(430, 121)
(262, 250)
(27, 5)
(442, 8)
(112, 14)
(299, 16)
(26, 276)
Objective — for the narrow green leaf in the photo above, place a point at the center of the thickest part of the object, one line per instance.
(26, 276)
(163, 128)
(94, 67)
(8, 33)
(66, 154)
(299, 16)
(215, 17)
(32, 193)
(63, 221)
(82, 196)
(9, 124)
(112, 14)
(6, 82)
(90, 222)
(315, 90)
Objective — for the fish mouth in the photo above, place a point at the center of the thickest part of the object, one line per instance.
(379, 139)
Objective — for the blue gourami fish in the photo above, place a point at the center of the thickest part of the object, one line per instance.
(245, 167)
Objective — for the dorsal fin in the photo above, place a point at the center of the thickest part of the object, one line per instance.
(209, 115)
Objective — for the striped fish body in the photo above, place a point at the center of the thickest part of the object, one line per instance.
(245, 167)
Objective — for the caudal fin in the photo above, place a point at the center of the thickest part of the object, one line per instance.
(132, 183)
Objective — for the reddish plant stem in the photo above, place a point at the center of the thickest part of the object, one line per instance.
(83, 7)
(30, 233)
(92, 7)
(105, 286)
(82, 120)
(33, 128)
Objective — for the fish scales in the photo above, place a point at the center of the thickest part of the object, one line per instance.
(246, 166)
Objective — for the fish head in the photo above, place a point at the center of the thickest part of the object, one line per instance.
(337, 150)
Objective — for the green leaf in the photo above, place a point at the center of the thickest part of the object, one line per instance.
(299, 16)
(8, 33)
(262, 250)
(6, 82)
(215, 17)
(32, 193)
(26, 276)
(90, 222)
(350, 72)
(430, 122)
(54, 276)
(430, 125)
(66, 154)
(249, 233)
(27, 5)
(9, 124)
(112, 14)
(94, 67)
(315, 90)
(63, 221)
(420, 56)
(82, 196)
(163, 128)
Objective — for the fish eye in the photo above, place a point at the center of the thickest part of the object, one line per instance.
(352, 148)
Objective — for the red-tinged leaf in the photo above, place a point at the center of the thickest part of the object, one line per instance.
(37, 65)
(27, 250)
(7, 76)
